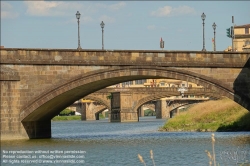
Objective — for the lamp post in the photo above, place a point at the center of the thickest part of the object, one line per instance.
(182, 90)
(203, 17)
(102, 26)
(214, 27)
(78, 15)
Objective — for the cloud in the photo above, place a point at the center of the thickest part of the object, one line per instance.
(113, 7)
(89, 10)
(167, 11)
(117, 6)
(7, 12)
(106, 19)
(86, 19)
(5, 6)
(151, 27)
(49, 8)
(9, 15)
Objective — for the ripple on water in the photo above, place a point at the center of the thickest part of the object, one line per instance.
(116, 144)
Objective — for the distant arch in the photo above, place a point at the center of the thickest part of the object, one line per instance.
(49, 103)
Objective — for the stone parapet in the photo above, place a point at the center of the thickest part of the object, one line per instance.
(124, 57)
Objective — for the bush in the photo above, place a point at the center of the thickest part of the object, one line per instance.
(66, 112)
(149, 112)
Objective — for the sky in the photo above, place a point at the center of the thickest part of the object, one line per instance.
(129, 25)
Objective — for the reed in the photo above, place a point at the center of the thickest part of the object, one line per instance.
(141, 159)
(152, 157)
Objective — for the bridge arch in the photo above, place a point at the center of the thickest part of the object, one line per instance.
(174, 109)
(98, 112)
(159, 96)
(49, 104)
(99, 100)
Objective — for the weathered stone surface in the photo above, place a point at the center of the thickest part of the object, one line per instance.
(49, 80)
(8, 74)
(123, 57)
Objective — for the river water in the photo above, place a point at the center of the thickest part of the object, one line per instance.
(100, 143)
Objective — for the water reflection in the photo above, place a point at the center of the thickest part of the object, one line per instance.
(116, 144)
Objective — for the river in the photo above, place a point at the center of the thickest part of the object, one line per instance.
(100, 143)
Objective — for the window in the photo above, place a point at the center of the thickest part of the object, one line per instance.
(247, 42)
(162, 83)
(123, 84)
(246, 30)
(140, 81)
(137, 82)
(130, 82)
(127, 83)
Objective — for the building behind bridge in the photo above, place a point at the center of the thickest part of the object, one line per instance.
(241, 40)
(156, 83)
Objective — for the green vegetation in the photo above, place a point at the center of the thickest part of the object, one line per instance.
(101, 116)
(70, 115)
(66, 115)
(73, 117)
(220, 115)
(149, 112)
(109, 96)
(66, 112)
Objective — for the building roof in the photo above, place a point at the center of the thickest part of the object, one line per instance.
(242, 26)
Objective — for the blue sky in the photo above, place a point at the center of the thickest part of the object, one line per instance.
(136, 25)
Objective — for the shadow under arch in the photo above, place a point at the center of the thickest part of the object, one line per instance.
(41, 109)
(241, 87)
(98, 112)
(172, 111)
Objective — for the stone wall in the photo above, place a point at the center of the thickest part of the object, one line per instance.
(36, 84)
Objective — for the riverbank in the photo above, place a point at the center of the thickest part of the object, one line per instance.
(72, 117)
(219, 115)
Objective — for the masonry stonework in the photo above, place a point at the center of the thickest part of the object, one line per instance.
(36, 84)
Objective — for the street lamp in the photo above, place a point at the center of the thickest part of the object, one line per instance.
(182, 90)
(102, 26)
(78, 15)
(203, 17)
(214, 27)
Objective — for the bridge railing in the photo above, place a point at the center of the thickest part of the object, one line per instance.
(152, 89)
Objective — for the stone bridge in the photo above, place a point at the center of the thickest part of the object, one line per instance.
(36, 84)
(141, 96)
(90, 110)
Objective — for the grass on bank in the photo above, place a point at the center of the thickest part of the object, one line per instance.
(64, 116)
(219, 115)
(72, 117)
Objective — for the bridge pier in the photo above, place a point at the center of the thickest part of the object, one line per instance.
(86, 110)
(141, 112)
(97, 116)
(174, 112)
(38, 129)
(160, 109)
(121, 108)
